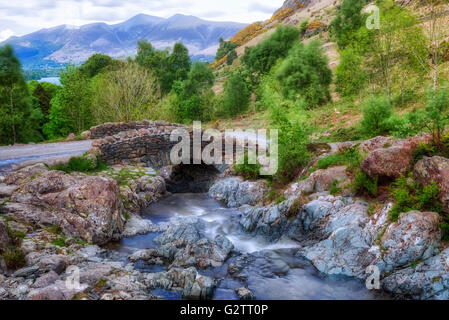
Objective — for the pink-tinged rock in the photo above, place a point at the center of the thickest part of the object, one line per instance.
(388, 162)
(84, 206)
(375, 143)
(319, 181)
(26, 173)
(435, 169)
(386, 142)
(46, 280)
(56, 291)
(416, 236)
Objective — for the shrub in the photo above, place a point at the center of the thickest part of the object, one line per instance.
(81, 164)
(236, 95)
(408, 195)
(364, 185)
(376, 114)
(261, 58)
(350, 77)
(347, 22)
(246, 170)
(305, 73)
(14, 258)
(292, 146)
(335, 189)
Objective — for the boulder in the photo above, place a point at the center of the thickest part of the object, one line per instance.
(342, 245)
(269, 222)
(192, 285)
(84, 206)
(416, 236)
(56, 291)
(318, 181)
(235, 193)
(427, 280)
(46, 280)
(26, 173)
(388, 163)
(137, 226)
(389, 158)
(435, 169)
(184, 246)
(55, 263)
(6, 191)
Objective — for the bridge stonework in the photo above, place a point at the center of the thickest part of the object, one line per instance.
(123, 143)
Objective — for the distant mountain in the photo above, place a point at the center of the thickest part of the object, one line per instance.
(49, 48)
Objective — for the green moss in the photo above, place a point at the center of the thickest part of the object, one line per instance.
(60, 242)
(55, 229)
(127, 174)
(101, 283)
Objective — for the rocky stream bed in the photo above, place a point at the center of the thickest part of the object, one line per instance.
(120, 234)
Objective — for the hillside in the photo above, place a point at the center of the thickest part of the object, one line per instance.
(336, 119)
(63, 44)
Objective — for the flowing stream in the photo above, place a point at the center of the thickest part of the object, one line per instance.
(272, 270)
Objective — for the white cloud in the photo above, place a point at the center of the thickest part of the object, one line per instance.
(5, 34)
(32, 15)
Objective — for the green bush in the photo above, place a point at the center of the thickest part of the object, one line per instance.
(14, 258)
(80, 164)
(236, 95)
(408, 195)
(376, 114)
(246, 170)
(335, 189)
(261, 58)
(350, 77)
(348, 21)
(292, 146)
(364, 185)
(305, 74)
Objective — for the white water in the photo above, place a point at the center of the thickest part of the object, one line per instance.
(272, 270)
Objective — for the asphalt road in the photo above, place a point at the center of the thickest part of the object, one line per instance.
(12, 157)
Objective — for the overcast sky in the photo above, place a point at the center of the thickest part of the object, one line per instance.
(20, 17)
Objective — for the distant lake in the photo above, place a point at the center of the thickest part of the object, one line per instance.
(54, 80)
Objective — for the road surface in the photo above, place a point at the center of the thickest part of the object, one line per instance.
(12, 157)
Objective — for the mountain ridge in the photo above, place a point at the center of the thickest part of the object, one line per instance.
(65, 43)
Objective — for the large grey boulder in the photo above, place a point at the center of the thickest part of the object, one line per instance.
(269, 222)
(344, 246)
(187, 281)
(235, 193)
(184, 245)
(428, 280)
(416, 236)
